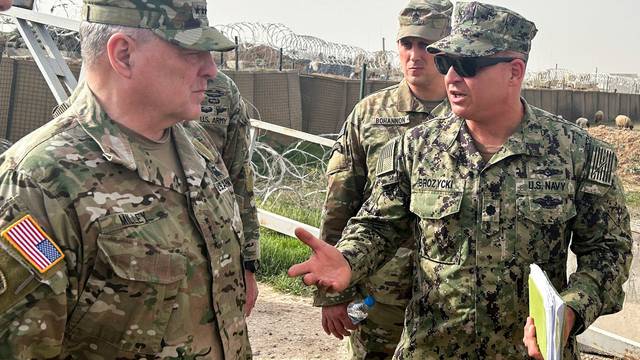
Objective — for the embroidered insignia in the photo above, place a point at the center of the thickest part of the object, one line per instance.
(3, 283)
(223, 185)
(33, 243)
(400, 120)
(385, 161)
(415, 18)
(602, 164)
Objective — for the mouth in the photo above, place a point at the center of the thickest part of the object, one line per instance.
(456, 97)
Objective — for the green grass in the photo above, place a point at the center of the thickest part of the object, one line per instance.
(633, 199)
(279, 252)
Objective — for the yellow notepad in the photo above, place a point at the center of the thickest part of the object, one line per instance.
(547, 309)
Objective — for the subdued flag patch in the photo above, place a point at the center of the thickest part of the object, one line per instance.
(3, 283)
(33, 243)
(602, 165)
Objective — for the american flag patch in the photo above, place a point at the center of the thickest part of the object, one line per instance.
(386, 159)
(33, 243)
(602, 165)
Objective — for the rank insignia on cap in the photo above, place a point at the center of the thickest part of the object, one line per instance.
(33, 243)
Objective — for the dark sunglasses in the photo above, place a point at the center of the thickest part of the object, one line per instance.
(466, 66)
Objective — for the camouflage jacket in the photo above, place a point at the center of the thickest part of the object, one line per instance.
(374, 121)
(226, 119)
(479, 226)
(148, 271)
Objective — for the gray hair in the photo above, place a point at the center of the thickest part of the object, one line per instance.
(94, 37)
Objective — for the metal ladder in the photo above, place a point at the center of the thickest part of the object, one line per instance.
(56, 72)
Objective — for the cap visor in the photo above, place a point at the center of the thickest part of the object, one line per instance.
(423, 32)
(205, 39)
(456, 44)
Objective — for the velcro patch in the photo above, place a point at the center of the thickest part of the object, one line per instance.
(3, 283)
(400, 120)
(386, 161)
(33, 243)
(601, 169)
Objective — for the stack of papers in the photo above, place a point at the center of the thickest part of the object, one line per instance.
(547, 310)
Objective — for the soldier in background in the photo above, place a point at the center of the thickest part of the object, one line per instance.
(351, 171)
(120, 234)
(491, 188)
(226, 118)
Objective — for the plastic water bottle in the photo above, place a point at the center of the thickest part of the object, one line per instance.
(358, 311)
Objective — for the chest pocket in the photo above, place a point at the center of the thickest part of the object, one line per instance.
(130, 295)
(542, 225)
(441, 237)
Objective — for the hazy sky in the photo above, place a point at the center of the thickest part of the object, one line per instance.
(579, 35)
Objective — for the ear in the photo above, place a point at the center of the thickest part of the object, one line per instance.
(518, 69)
(120, 49)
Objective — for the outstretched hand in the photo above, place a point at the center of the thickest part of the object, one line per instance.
(326, 268)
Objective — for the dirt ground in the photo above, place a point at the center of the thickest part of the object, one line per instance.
(288, 327)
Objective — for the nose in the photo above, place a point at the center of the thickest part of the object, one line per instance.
(452, 76)
(208, 67)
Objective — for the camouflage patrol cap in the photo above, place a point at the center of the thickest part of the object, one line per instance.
(427, 19)
(482, 30)
(181, 22)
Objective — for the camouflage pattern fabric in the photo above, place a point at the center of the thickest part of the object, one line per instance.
(351, 170)
(427, 19)
(479, 226)
(482, 29)
(148, 271)
(181, 22)
(226, 119)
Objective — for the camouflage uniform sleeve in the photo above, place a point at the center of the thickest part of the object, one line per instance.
(601, 240)
(33, 304)
(372, 237)
(238, 162)
(347, 176)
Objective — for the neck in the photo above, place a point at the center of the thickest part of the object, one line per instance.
(126, 108)
(497, 128)
(433, 91)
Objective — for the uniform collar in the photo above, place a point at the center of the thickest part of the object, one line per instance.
(407, 101)
(116, 147)
(527, 139)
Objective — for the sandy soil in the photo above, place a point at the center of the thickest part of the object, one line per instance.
(288, 327)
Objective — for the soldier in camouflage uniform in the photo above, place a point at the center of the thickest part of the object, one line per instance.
(120, 231)
(351, 170)
(225, 117)
(491, 188)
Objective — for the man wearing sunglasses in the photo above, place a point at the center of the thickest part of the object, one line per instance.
(490, 189)
(351, 170)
